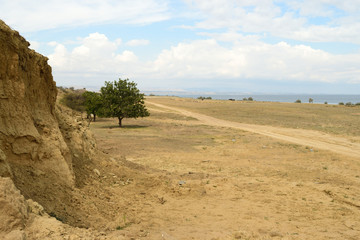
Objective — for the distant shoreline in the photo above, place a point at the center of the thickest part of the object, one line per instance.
(285, 98)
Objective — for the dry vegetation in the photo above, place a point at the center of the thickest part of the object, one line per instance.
(335, 119)
(223, 183)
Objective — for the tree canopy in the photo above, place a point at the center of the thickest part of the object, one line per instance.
(122, 99)
(93, 103)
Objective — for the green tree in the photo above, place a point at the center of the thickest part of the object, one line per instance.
(311, 100)
(122, 99)
(93, 103)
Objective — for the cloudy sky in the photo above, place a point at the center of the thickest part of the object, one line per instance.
(259, 46)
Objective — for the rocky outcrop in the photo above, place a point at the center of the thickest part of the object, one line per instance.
(54, 184)
(13, 210)
(22, 219)
(30, 137)
(43, 149)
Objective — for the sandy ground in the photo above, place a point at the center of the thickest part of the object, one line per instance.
(216, 179)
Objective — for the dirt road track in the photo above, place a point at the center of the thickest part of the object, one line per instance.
(309, 138)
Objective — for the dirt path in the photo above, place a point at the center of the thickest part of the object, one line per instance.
(309, 138)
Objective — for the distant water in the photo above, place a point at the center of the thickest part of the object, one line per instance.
(330, 99)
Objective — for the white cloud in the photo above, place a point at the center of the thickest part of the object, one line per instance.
(206, 59)
(118, 41)
(96, 54)
(127, 57)
(52, 43)
(230, 36)
(28, 16)
(138, 42)
(324, 8)
(292, 19)
(34, 45)
(247, 59)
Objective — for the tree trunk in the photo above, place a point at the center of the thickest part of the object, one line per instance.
(94, 117)
(120, 119)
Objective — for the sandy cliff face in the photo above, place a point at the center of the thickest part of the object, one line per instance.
(54, 184)
(42, 148)
(29, 133)
(30, 137)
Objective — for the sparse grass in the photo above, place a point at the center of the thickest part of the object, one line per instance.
(237, 177)
(321, 117)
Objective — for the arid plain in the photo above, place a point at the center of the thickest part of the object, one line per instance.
(241, 170)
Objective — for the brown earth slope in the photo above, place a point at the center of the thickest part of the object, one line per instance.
(39, 145)
(48, 153)
(53, 180)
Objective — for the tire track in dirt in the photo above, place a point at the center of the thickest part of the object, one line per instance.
(304, 137)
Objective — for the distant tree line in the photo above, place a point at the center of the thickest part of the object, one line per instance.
(350, 104)
(203, 98)
(120, 99)
(248, 99)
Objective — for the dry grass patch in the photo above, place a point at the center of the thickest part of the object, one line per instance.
(333, 119)
(235, 184)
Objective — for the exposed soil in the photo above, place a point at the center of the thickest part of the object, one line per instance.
(227, 183)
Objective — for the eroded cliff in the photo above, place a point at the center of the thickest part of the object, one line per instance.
(53, 180)
(42, 147)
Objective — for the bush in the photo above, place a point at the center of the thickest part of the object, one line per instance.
(325, 102)
(357, 104)
(245, 99)
(341, 103)
(348, 104)
(74, 100)
(202, 98)
(298, 101)
(250, 99)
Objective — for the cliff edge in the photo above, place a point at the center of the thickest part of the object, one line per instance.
(54, 183)
(43, 149)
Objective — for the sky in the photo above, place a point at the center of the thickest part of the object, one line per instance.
(238, 46)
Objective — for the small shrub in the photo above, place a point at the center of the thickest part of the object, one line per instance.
(245, 99)
(298, 101)
(348, 104)
(357, 104)
(341, 103)
(74, 100)
(325, 102)
(250, 99)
